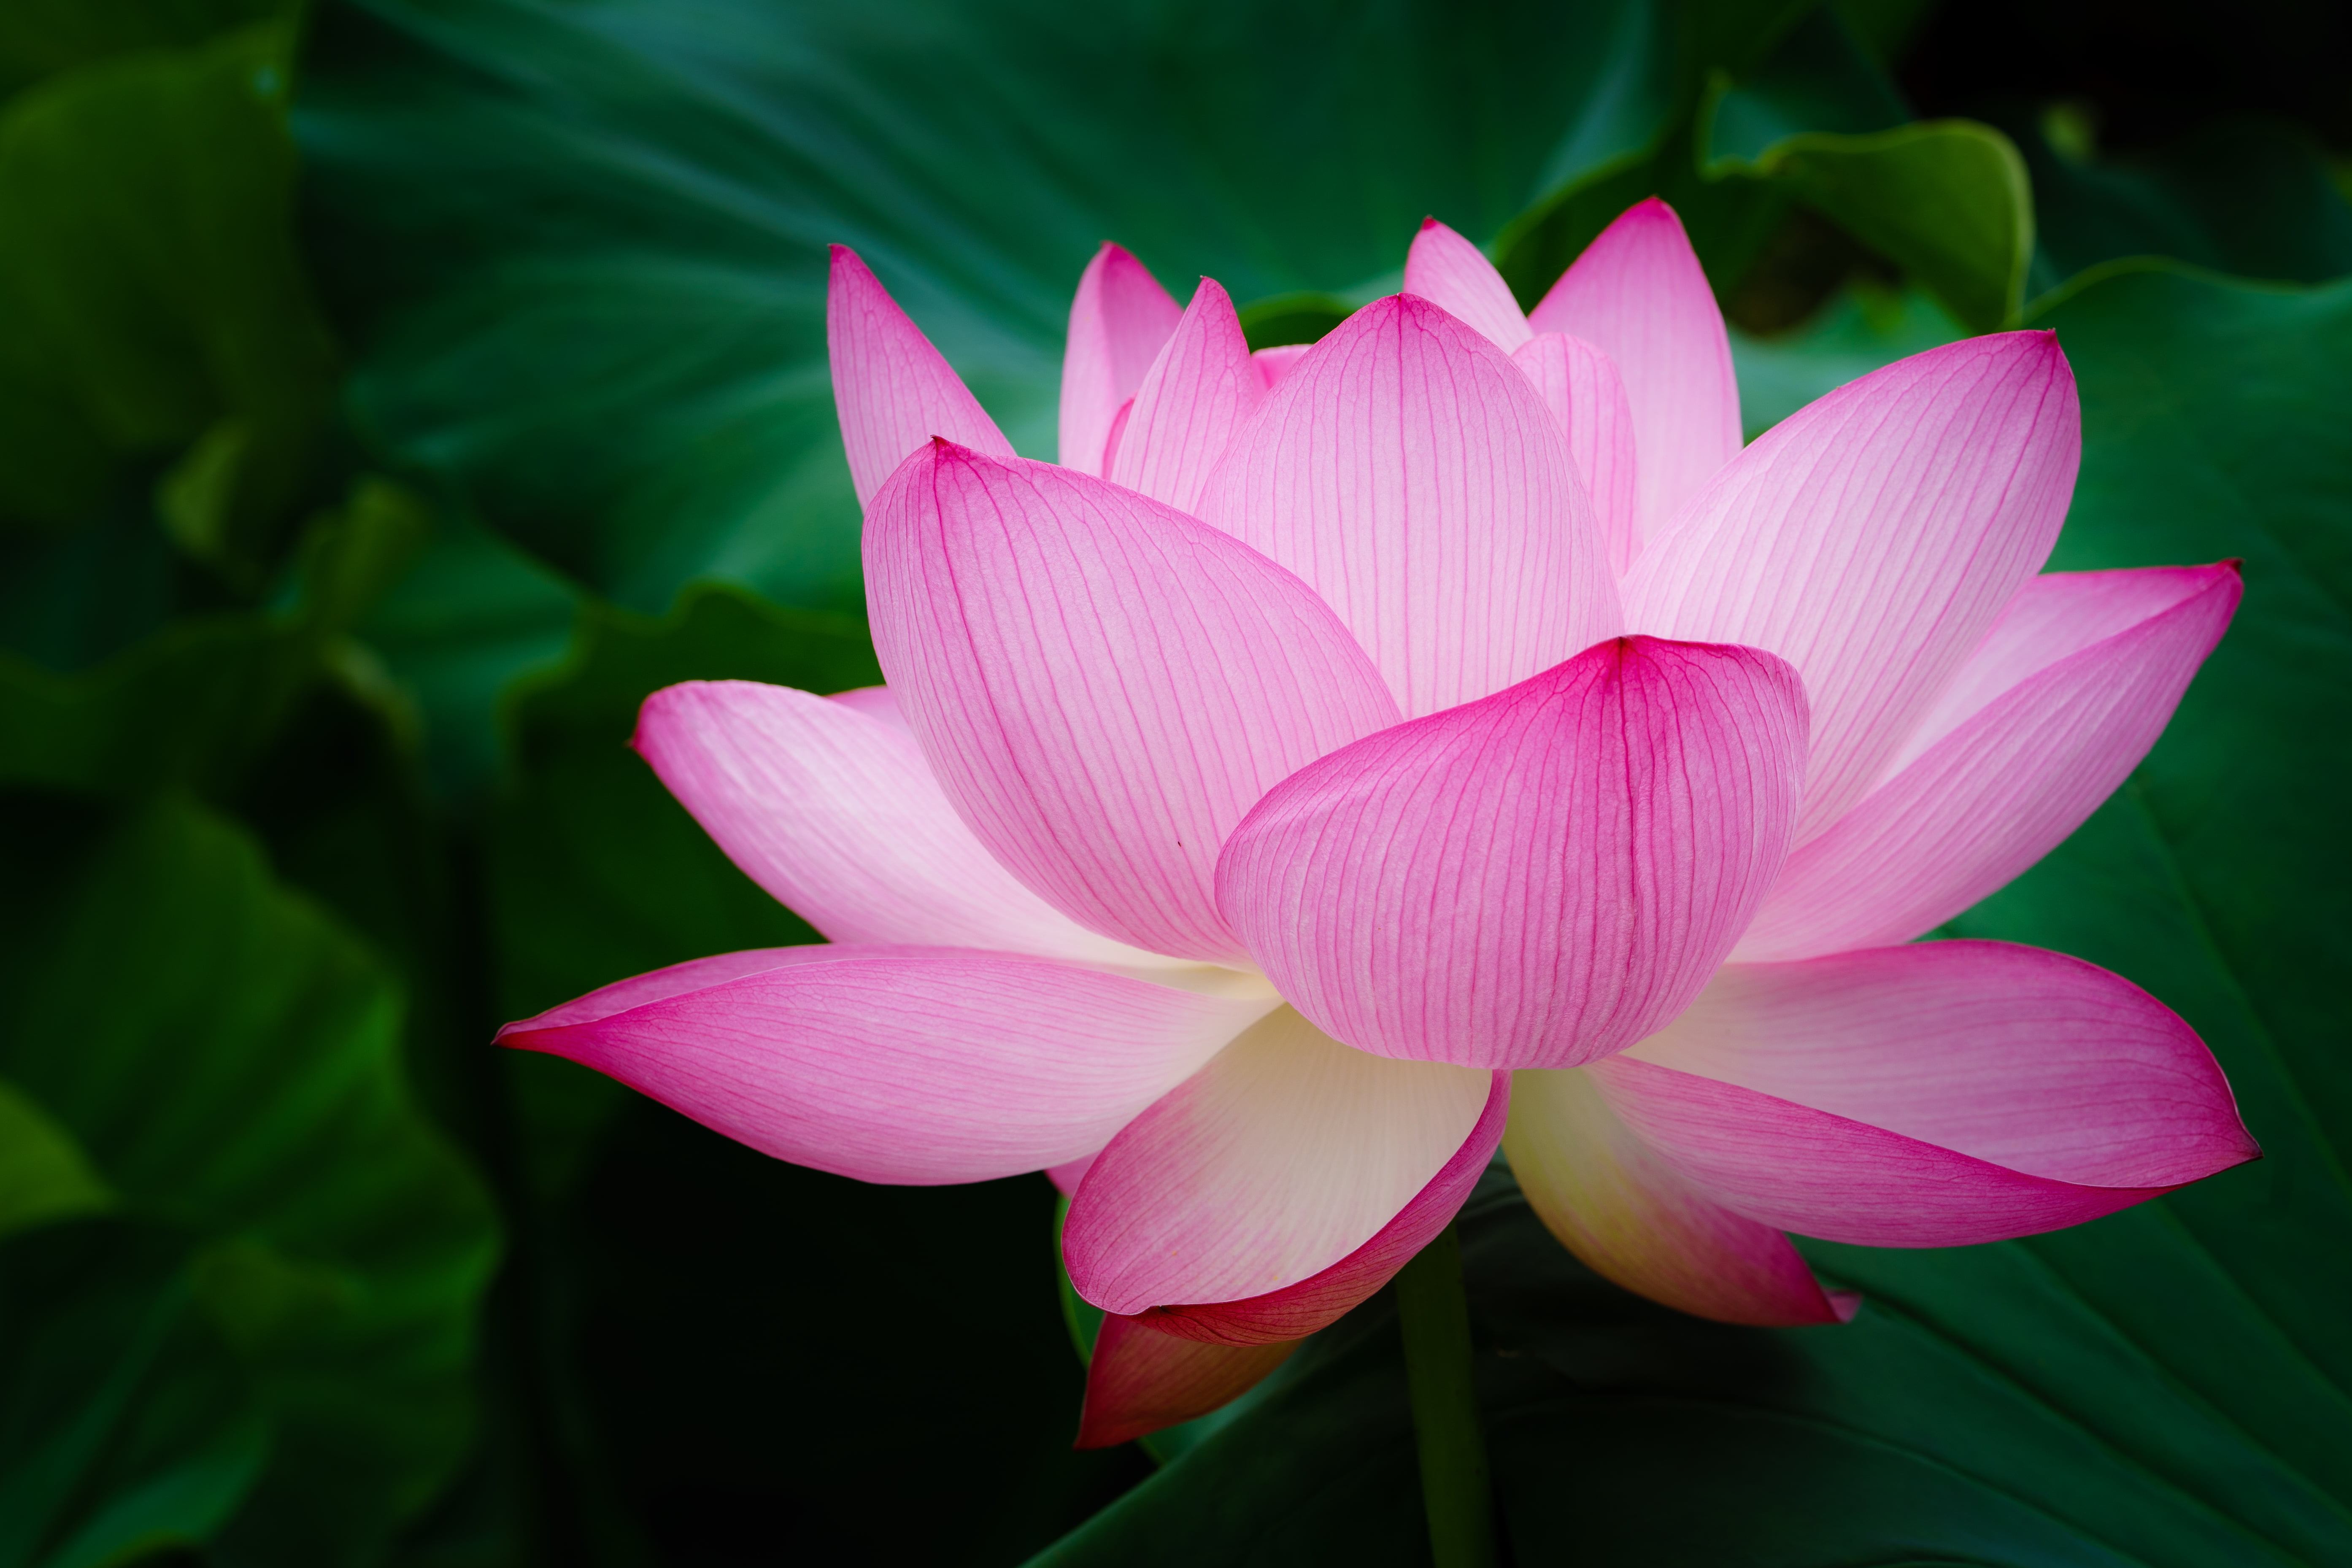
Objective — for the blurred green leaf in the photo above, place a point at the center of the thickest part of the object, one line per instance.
(1861, 328)
(41, 37)
(227, 1059)
(44, 1175)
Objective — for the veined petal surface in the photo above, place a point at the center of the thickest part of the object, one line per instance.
(1102, 685)
(1615, 1203)
(1581, 387)
(1117, 321)
(1535, 879)
(908, 1065)
(1284, 1155)
(1139, 1380)
(1639, 294)
(1274, 363)
(1447, 270)
(1409, 472)
(1201, 389)
(2001, 787)
(890, 388)
(1931, 1095)
(1872, 538)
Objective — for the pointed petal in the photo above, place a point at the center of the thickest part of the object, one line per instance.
(1141, 1380)
(1622, 1208)
(1640, 295)
(890, 388)
(1536, 880)
(1103, 685)
(916, 1066)
(1275, 362)
(1932, 1095)
(1201, 389)
(1280, 1158)
(1872, 538)
(1117, 321)
(2003, 781)
(835, 813)
(1581, 387)
(1416, 481)
(1446, 269)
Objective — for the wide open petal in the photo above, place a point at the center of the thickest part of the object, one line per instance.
(1640, 295)
(1581, 387)
(1931, 1095)
(1282, 1157)
(832, 810)
(1103, 685)
(890, 388)
(910, 1064)
(1117, 321)
(1201, 389)
(1447, 270)
(1416, 481)
(1617, 1203)
(1872, 538)
(1141, 1380)
(1536, 880)
(2001, 785)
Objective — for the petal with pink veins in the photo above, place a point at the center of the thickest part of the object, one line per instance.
(1201, 389)
(1409, 472)
(1872, 538)
(908, 1065)
(1447, 270)
(1639, 294)
(1535, 879)
(890, 388)
(1102, 685)
(1282, 1157)
(1618, 1205)
(2094, 662)
(1581, 387)
(1933, 1095)
(1117, 321)
(835, 813)
(1139, 1380)
(1274, 363)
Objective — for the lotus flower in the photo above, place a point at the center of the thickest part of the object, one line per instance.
(1353, 758)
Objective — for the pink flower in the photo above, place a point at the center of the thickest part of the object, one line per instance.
(1444, 737)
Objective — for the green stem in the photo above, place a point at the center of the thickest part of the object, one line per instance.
(1454, 1489)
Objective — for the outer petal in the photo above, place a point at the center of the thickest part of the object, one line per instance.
(1447, 270)
(1536, 880)
(1621, 1207)
(1279, 1159)
(1929, 1095)
(890, 388)
(1141, 1380)
(835, 813)
(1103, 685)
(1201, 389)
(1581, 387)
(1994, 793)
(1640, 294)
(1410, 474)
(1117, 321)
(1872, 538)
(916, 1066)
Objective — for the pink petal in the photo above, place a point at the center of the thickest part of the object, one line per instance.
(875, 702)
(2001, 787)
(1279, 1159)
(1141, 1380)
(1536, 880)
(1446, 269)
(1580, 385)
(1066, 1175)
(1275, 362)
(1201, 389)
(1931, 1095)
(1102, 685)
(1117, 321)
(916, 1066)
(1621, 1207)
(1417, 481)
(890, 388)
(1639, 294)
(833, 812)
(1872, 538)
